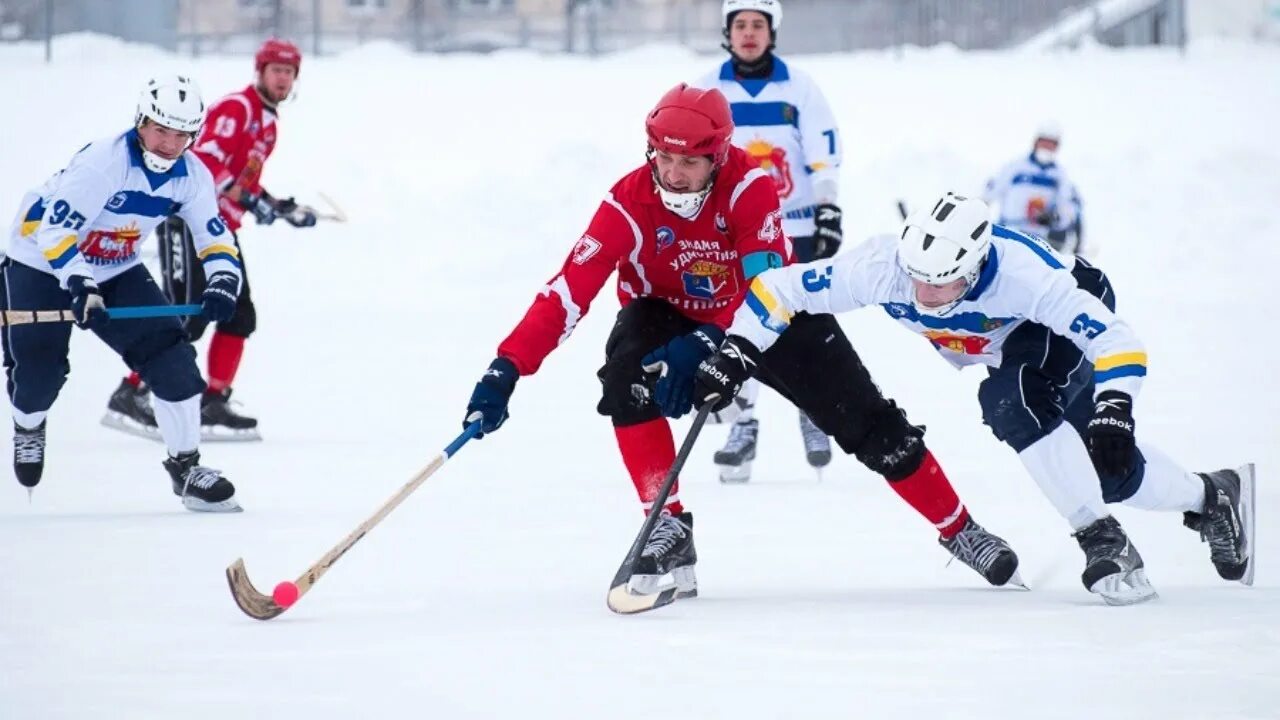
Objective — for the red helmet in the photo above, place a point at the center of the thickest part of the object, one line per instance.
(275, 50)
(690, 121)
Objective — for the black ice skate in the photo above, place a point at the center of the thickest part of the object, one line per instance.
(817, 446)
(202, 489)
(1227, 521)
(129, 410)
(988, 554)
(1113, 567)
(669, 550)
(739, 450)
(219, 423)
(28, 454)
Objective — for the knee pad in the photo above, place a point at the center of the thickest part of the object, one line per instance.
(168, 365)
(626, 396)
(244, 322)
(891, 447)
(1020, 406)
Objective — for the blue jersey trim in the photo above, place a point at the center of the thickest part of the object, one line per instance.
(1005, 233)
(134, 144)
(136, 202)
(765, 114)
(1120, 372)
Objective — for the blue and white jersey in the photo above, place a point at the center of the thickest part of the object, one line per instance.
(90, 218)
(784, 123)
(1025, 189)
(1023, 280)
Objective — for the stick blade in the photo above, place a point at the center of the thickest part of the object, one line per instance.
(253, 603)
(624, 602)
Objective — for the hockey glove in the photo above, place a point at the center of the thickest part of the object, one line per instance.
(675, 363)
(296, 215)
(260, 206)
(86, 303)
(218, 303)
(827, 233)
(721, 376)
(1110, 434)
(493, 392)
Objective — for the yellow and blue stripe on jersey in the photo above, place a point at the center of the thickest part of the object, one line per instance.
(220, 252)
(1129, 364)
(62, 253)
(767, 308)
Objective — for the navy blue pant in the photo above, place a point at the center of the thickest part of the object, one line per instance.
(35, 355)
(1044, 380)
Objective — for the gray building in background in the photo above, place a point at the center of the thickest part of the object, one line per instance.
(585, 26)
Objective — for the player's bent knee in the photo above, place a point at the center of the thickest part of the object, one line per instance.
(1020, 406)
(171, 371)
(1120, 488)
(892, 446)
(243, 323)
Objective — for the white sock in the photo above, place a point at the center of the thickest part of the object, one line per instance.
(750, 391)
(29, 421)
(1060, 465)
(1166, 486)
(179, 423)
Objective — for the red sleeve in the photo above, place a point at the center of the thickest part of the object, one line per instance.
(756, 223)
(567, 297)
(224, 135)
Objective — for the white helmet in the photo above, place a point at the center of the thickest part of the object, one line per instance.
(1047, 131)
(772, 8)
(173, 102)
(946, 243)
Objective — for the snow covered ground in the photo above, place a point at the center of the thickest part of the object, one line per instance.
(467, 179)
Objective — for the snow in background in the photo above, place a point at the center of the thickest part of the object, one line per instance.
(467, 179)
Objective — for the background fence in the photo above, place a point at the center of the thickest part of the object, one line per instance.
(586, 26)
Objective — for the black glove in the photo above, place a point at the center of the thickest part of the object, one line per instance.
(301, 217)
(296, 215)
(489, 399)
(827, 234)
(1047, 218)
(260, 206)
(672, 367)
(1110, 434)
(86, 303)
(721, 376)
(218, 303)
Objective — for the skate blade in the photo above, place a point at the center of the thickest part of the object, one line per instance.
(1248, 504)
(1016, 581)
(126, 424)
(195, 504)
(212, 433)
(1120, 589)
(735, 474)
(684, 581)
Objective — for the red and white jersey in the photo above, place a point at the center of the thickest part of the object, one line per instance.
(702, 266)
(235, 142)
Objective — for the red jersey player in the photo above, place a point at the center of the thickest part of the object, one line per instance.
(235, 142)
(686, 232)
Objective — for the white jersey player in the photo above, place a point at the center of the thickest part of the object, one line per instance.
(1062, 366)
(782, 120)
(1034, 195)
(75, 245)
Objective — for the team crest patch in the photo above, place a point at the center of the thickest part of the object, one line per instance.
(666, 238)
(721, 225)
(773, 160)
(586, 248)
(706, 280)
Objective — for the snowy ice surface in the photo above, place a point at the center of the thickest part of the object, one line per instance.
(467, 179)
